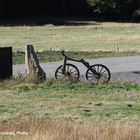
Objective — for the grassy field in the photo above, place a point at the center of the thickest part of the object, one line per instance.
(69, 129)
(56, 110)
(81, 100)
(49, 56)
(90, 40)
(114, 107)
(96, 36)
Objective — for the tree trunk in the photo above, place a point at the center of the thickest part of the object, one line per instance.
(32, 64)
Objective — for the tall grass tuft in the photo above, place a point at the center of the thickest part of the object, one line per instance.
(68, 129)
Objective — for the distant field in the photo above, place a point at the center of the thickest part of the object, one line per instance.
(93, 36)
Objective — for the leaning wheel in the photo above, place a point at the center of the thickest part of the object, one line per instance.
(71, 73)
(102, 74)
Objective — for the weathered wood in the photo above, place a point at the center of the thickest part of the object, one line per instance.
(33, 68)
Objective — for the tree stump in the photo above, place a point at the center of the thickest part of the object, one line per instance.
(33, 68)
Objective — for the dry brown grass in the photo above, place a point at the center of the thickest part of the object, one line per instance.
(68, 129)
(102, 36)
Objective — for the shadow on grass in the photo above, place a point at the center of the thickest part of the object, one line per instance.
(40, 21)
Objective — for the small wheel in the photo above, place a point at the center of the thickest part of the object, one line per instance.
(102, 74)
(71, 74)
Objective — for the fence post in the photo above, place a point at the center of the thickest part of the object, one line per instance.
(32, 63)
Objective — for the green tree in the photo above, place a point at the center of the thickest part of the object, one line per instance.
(121, 9)
(101, 6)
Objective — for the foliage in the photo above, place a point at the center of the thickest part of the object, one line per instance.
(125, 9)
(118, 9)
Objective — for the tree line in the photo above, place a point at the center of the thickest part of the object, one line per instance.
(110, 9)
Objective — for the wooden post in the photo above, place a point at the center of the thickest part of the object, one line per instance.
(117, 49)
(33, 68)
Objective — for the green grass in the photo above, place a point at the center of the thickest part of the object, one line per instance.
(102, 36)
(94, 40)
(90, 40)
(108, 102)
(115, 103)
(49, 56)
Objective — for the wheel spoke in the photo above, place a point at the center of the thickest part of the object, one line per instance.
(60, 76)
(75, 74)
(91, 76)
(94, 68)
(101, 70)
(98, 69)
(93, 79)
(73, 71)
(59, 72)
(90, 73)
